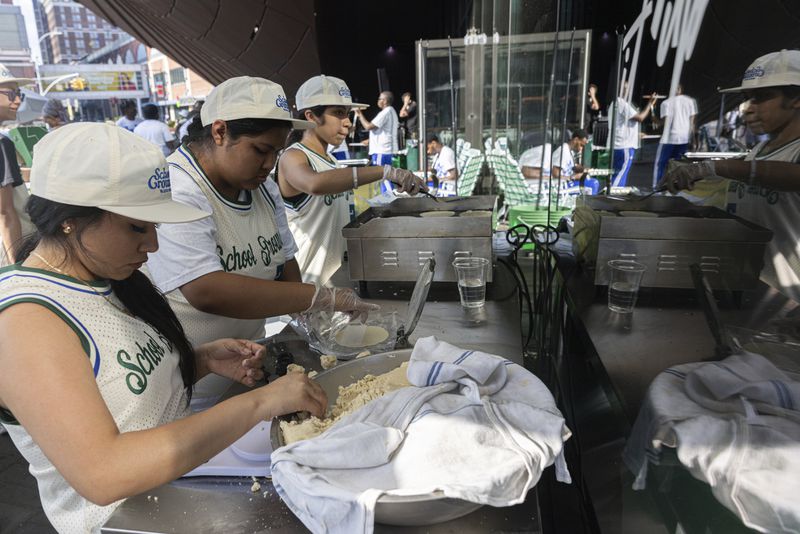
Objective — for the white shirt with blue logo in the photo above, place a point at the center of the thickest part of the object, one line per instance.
(242, 237)
(316, 222)
(135, 367)
(778, 211)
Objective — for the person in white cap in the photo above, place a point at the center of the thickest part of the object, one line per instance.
(766, 183)
(315, 192)
(77, 317)
(14, 222)
(224, 275)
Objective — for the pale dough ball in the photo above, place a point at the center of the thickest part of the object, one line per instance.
(327, 361)
(294, 368)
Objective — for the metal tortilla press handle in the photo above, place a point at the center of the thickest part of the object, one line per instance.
(417, 302)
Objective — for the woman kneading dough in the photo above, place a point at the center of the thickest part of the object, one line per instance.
(315, 192)
(96, 369)
(224, 275)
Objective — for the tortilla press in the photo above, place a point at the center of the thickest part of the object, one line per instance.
(418, 297)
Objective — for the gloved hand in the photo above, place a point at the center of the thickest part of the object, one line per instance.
(341, 299)
(407, 181)
(684, 176)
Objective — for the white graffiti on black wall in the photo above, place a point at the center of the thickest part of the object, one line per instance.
(675, 24)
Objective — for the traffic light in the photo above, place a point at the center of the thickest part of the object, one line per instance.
(77, 84)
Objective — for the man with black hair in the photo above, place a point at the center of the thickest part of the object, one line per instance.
(562, 163)
(129, 120)
(408, 113)
(382, 130)
(765, 186)
(443, 168)
(156, 131)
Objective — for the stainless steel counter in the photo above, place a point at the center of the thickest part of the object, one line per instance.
(222, 504)
(604, 365)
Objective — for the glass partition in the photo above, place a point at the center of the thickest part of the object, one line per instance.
(500, 88)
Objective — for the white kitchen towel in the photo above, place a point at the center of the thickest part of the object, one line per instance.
(747, 384)
(445, 435)
(734, 425)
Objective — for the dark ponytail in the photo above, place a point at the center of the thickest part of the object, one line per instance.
(137, 293)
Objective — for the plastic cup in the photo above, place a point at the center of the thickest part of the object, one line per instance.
(472, 280)
(626, 276)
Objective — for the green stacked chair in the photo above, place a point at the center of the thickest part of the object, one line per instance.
(468, 174)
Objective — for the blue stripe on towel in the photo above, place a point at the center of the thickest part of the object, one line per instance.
(675, 373)
(430, 374)
(784, 397)
(464, 357)
(438, 366)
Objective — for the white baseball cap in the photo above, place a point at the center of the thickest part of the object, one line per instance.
(108, 167)
(7, 77)
(325, 91)
(777, 69)
(246, 97)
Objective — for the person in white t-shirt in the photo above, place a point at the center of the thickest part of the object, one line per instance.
(626, 134)
(78, 316)
(679, 113)
(443, 168)
(155, 131)
(382, 131)
(224, 275)
(129, 120)
(765, 186)
(563, 163)
(14, 221)
(315, 192)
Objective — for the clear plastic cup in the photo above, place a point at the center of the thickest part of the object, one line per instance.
(623, 288)
(471, 274)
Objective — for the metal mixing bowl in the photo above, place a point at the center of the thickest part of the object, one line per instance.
(406, 510)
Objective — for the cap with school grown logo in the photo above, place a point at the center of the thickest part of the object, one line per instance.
(107, 167)
(7, 77)
(247, 97)
(325, 91)
(777, 69)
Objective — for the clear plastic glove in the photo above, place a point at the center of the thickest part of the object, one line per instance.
(341, 299)
(407, 181)
(684, 176)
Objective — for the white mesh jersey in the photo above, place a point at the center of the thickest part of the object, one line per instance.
(316, 222)
(248, 243)
(778, 211)
(135, 367)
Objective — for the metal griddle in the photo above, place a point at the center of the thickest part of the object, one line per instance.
(390, 243)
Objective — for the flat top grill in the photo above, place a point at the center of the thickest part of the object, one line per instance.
(401, 219)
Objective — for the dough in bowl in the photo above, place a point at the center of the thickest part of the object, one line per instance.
(358, 335)
(443, 213)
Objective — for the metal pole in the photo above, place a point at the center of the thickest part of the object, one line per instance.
(549, 116)
(452, 93)
(720, 119)
(421, 105)
(508, 72)
(612, 119)
(566, 109)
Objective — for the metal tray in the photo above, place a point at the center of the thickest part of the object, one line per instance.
(406, 510)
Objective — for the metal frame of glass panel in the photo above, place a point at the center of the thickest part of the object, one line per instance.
(501, 86)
